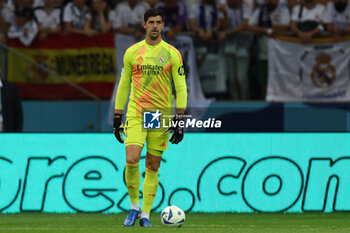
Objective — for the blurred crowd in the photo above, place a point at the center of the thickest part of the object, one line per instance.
(214, 25)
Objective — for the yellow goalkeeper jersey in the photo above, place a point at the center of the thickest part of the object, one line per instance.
(149, 71)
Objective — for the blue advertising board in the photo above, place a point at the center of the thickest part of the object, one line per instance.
(206, 172)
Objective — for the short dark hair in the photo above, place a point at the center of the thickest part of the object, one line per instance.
(153, 12)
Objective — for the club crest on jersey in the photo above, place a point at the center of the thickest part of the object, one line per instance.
(323, 74)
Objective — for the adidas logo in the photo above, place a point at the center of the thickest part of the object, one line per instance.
(163, 144)
(140, 59)
(131, 187)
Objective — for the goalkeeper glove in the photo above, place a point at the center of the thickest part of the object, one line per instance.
(177, 130)
(117, 128)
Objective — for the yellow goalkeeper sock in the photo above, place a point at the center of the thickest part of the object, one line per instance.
(132, 179)
(150, 185)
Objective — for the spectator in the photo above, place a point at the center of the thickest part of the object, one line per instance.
(101, 16)
(205, 21)
(128, 18)
(8, 13)
(233, 11)
(269, 19)
(77, 18)
(236, 49)
(3, 25)
(49, 18)
(11, 115)
(24, 27)
(307, 19)
(250, 5)
(337, 17)
(175, 17)
(247, 11)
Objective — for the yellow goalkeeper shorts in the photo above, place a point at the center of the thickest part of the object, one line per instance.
(135, 134)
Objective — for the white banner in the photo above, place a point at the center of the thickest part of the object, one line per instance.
(213, 73)
(196, 98)
(184, 44)
(308, 72)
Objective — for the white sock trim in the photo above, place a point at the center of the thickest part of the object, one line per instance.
(135, 206)
(145, 215)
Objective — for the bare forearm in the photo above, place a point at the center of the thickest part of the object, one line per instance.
(105, 25)
(315, 31)
(237, 29)
(280, 28)
(293, 27)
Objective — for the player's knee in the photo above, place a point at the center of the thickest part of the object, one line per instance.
(132, 160)
(133, 153)
(153, 165)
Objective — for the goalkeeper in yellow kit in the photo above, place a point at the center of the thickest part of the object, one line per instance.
(150, 66)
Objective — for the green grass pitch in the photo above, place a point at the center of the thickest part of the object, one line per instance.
(195, 223)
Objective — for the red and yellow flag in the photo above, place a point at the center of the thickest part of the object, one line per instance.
(87, 62)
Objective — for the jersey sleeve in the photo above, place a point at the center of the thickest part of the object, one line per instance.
(124, 83)
(178, 73)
